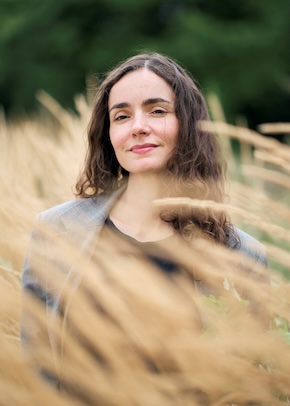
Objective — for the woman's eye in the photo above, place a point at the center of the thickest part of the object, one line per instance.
(158, 111)
(121, 117)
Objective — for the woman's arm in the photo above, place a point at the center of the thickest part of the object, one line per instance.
(37, 303)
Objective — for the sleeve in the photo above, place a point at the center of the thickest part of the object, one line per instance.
(258, 272)
(36, 302)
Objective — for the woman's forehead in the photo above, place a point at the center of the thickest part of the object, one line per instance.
(142, 83)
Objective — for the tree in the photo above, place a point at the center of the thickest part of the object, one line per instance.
(238, 49)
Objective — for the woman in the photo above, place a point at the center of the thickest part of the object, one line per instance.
(144, 143)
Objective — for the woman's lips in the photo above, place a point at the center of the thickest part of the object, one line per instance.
(143, 149)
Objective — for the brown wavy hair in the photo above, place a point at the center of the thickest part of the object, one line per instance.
(195, 165)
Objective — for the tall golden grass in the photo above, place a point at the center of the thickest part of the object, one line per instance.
(133, 335)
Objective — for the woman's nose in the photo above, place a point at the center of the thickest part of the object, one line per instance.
(140, 126)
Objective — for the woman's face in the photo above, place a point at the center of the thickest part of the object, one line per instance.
(143, 124)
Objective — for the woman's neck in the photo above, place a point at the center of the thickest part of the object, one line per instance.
(134, 213)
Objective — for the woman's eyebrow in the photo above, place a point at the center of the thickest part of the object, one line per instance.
(119, 106)
(146, 102)
(154, 101)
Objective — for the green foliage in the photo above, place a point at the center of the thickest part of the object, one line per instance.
(237, 49)
(5, 263)
(222, 309)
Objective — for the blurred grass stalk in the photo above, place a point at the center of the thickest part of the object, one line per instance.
(152, 349)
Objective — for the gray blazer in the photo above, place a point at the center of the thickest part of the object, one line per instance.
(81, 220)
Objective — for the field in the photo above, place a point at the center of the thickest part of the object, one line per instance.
(155, 352)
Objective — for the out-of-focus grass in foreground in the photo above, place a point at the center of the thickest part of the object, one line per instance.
(152, 351)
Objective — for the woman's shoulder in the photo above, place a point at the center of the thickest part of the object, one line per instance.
(77, 212)
(248, 245)
(58, 210)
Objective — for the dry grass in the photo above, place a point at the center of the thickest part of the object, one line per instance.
(131, 336)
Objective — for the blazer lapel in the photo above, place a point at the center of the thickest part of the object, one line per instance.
(83, 224)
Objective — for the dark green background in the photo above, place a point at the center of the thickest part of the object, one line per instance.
(238, 49)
